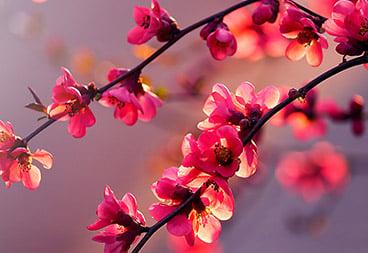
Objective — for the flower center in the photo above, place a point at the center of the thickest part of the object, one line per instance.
(363, 29)
(146, 21)
(24, 162)
(73, 107)
(4, 137)
(223, 155)
(307, 36)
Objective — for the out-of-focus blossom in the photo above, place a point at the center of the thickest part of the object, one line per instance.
(201, 218)
(349, 23)
(132, 99)
(7, 137)
(215, 152)
(305, 116)
(155, 22)
(255, 41)
(84, 61)
(16, 165)
(315, 172)
(267, 11)
(220, 40)
(125, 223)
(71, 102)
(307, 40)
(354, 113)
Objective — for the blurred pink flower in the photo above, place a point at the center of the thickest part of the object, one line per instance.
(125, 223)
(349, 23)
(255, 41)
(71, 102)
(150, 23)
(305, 117)
(16, 165)
(307, 40)
(315, 172)
(7, 137)
(132, 99)
(354, 113)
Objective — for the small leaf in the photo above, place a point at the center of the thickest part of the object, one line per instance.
(37, 107)
(36, 98)
(43, 117)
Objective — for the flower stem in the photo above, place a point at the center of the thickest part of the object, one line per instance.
(306, 10)
(304, 90)
(166, 219)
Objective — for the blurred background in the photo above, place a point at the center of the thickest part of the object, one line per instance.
(89, 38)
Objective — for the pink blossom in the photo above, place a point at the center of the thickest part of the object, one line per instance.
(16, 165)
(125, 223)
(7, 137)
(223, 108)
(155, 22)
(255, 41)
(220, 40)
(220, 109)
(215, 152)
(71, 102)
(133, 99)
(307, 39)
(315, 172)
(349, 24)
(179, 245)
(201, 219)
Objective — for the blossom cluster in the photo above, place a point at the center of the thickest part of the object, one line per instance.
(221, 150)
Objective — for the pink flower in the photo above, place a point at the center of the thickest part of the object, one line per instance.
(215, 152)
(307, 39)
(179, 245)
(220, 109)
(7, 137)
(201, 218)
(71, 102)
(350, 26)
(220, 40)
(16, 165)
(132, 99)
(125, 223)
(150, 23)
(313, 173)
(223, 108)
(255, 41)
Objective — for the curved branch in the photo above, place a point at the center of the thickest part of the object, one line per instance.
(156, 54)
(304, 90)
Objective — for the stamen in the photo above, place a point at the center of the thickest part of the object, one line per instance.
(4, 137)
(223, 155)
